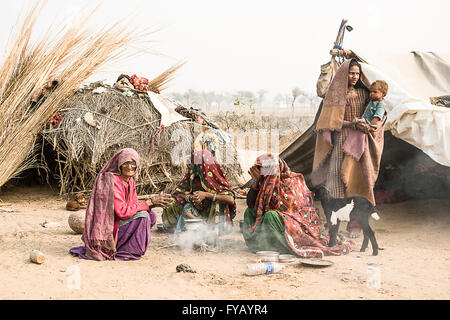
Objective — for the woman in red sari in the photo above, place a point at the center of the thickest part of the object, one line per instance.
(117, 225)
(280, 214)
(203, 193)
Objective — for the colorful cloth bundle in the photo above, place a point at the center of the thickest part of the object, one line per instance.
(139, 83)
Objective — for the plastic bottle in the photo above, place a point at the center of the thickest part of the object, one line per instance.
(254, 269)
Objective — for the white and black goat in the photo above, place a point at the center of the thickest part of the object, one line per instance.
(349, 209)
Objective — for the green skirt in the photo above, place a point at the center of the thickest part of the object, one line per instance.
(268, 235)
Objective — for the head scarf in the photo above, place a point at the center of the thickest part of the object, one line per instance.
(286, 192)
(333, 105)
(212, 177)
(99, 223)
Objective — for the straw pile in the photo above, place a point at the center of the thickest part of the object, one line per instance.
(71, 54)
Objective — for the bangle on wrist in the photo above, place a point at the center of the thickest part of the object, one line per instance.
(214, 197)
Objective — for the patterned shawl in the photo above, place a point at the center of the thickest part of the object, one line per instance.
(285, 192)
(98, 232)
(213, 179)
(362, 152)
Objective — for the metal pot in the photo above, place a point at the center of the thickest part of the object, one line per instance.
(193, 224)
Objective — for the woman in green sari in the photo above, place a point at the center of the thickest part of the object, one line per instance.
(203, 193)
(280, 214)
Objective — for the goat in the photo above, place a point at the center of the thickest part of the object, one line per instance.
(349, 209)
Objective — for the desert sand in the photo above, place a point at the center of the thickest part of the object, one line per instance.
(414, 262)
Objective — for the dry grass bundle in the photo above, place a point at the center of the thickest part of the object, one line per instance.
(82, 149)
(159, 83)
(71, 54)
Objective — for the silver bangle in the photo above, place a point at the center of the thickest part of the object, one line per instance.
(214, 197)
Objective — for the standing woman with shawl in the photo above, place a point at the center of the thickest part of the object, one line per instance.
(348, 148)
(203, 193)
(117, 226)
(280, 214)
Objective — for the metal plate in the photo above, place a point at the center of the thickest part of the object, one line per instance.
(268, 253)
(317, 263)
(287, 258)
(193, 221)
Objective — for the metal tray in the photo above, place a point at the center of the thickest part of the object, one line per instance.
(268, 253)
(316, 263)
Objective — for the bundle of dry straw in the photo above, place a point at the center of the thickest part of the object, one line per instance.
(159, 83)
(71, 54)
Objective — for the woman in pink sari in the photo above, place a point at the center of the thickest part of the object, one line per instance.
(117, 225)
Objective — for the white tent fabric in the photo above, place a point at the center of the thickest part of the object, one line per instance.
(424, 74)
(411, 116)
(166, 109)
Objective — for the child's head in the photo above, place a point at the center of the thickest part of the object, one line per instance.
(378, 90)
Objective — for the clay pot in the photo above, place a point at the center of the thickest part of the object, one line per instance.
(76, 221)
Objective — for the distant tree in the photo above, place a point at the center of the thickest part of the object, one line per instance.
(219, 98)
(278, 98)
(192, 98)
(176, 96)
(287, 98)
(245, 99)
(261, 94)
(187, 97)
(207, 98)
(295, 93)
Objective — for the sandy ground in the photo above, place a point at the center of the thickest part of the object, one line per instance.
(415, 262)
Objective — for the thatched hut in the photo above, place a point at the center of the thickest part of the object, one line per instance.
(99, 120)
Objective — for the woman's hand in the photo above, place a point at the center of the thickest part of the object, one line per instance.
(362, 125)
(255, 173)
(347, 124)
(188, 197)
(199, 196)
(162, 200)
(365, 127)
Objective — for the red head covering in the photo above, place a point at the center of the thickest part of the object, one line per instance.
(286, 193)
(281, 189)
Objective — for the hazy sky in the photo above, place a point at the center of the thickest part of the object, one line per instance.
(250, 45)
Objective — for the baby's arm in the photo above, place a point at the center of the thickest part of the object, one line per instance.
(379, 113)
